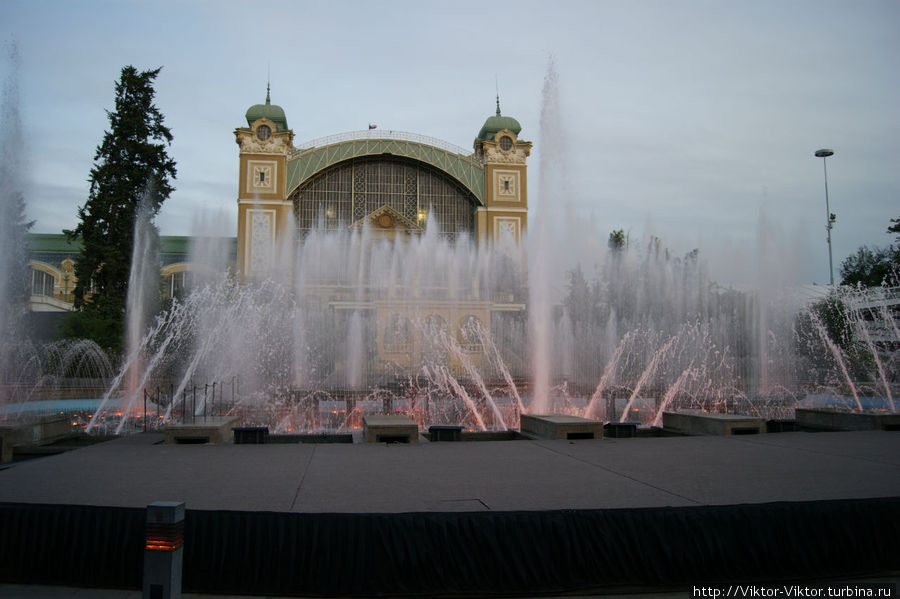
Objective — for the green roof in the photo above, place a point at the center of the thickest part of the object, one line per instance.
(59, 243)
(52, 242)
(181, 244)
(307, 163)
(495, 124)
(174, 244)
(269, 111)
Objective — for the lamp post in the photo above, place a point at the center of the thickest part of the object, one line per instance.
(829, 217)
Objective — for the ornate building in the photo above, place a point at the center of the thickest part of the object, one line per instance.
(396, 185)
(389, 179)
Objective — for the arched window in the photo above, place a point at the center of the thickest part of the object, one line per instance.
(347, 192)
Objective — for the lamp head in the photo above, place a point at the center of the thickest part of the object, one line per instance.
(824, 153)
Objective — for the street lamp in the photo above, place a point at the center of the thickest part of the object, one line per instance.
(829, 217)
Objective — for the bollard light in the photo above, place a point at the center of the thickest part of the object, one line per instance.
(163, 550)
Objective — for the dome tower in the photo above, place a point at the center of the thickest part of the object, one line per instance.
(263, 208)
(504, 156)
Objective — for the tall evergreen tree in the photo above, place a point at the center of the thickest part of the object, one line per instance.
(131, 167)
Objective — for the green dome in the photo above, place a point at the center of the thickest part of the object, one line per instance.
(497, 123)
(269, 111)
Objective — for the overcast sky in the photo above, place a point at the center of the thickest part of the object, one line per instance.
(695, 121)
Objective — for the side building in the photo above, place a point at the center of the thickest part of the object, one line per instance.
(52, 275)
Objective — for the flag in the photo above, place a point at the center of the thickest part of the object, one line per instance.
(372, 126)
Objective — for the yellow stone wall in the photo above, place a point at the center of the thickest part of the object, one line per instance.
(506, 188)
(263, 209)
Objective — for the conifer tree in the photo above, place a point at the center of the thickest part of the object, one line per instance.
(131, 167)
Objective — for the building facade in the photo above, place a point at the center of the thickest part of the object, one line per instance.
(395, 185)
(388, 180)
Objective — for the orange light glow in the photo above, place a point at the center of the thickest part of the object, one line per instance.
(164, 537)
(163, 544)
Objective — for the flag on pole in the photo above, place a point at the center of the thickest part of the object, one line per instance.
(372, 126)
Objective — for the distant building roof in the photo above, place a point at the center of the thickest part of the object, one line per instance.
(54, 247)
(52, 242)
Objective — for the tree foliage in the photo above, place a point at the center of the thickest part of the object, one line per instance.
(131, 167)
(869, 267)
(895, 228)
(829, 320)
(876, 266)
(617, 240)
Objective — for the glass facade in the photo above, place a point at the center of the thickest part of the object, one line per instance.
(41, 283)
(346, 193)
(173, 285)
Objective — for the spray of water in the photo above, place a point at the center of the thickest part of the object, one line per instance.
(454, 332)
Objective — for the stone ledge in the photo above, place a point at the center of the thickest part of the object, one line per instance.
(392, 428)
(560, 426)
(698, 422)
(45, 430)
(214, 430)
(838, 420)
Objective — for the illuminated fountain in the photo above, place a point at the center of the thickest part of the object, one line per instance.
(648, 332)
(347, 323)
(37, 381)
(455, 332)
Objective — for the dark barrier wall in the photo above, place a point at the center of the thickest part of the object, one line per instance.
(459, 553)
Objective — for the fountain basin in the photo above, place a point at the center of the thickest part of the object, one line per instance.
(838, 420)
(560, 426)
(697, 422)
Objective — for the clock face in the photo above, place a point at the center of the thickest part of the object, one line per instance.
(506, 143)
(263, 132)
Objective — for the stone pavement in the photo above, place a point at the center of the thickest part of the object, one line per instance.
(466, 476)
(457, 476)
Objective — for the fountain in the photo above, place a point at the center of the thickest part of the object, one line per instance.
(346, 324)
(281, 358)
(13, 291)
(37, 381)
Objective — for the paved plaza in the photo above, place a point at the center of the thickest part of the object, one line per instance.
(607, 504)
(466, 476)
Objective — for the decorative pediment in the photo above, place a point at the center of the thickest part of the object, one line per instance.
(516, 154)
(386, 218)
(271, 142)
